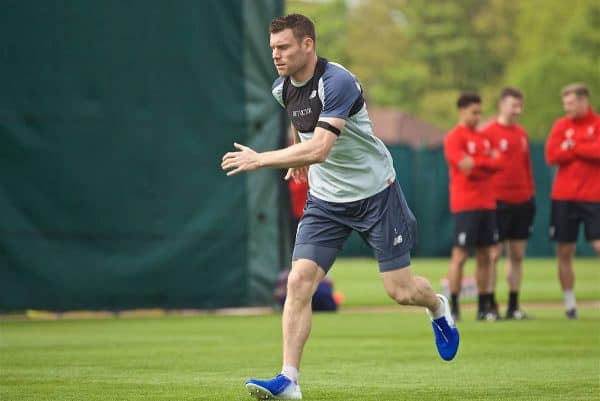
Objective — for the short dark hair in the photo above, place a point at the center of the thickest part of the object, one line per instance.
(300, 25)
(577, 88)
(467, 98)
(509, 91)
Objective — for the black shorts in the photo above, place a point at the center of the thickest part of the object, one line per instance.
(515, 220)
(566, 216)
(475, 228)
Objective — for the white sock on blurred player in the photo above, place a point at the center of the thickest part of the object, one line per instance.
(569, 297)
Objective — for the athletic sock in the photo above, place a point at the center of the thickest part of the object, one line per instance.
(569, 297)
(291, 372)
(513, 300)
(492, 299)
(454, 303)
(481, 302)
(439, 312)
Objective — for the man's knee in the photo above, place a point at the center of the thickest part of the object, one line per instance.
(459, 256)
(516, 258)
(565, 251)
(484, 258)
(301, 282)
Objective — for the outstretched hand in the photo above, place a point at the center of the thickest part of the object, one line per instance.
(245, 159)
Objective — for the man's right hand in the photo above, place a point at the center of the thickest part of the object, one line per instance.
(466, 164)
(567, 144)
(298, 174)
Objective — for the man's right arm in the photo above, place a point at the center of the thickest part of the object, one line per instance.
(558, 150)
(298, 174)
(488, 163)
(295, 134)
(453, 150)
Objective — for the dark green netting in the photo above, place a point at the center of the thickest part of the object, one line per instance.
(113, 120)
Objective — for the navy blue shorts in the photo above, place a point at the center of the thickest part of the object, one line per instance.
(383, 220)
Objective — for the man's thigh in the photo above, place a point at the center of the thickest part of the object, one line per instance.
(590, 214)
(476, 228)
(320, 236)
(394, 229)
(564, 221)
(520, 222)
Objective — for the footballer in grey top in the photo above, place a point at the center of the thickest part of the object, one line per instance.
(359, 165)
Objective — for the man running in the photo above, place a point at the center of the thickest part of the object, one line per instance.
(352, 187)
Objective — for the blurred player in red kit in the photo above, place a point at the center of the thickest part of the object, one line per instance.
(574, 147)
(514, 190)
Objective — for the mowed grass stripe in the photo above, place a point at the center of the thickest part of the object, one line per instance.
(353, 356)
(362, 356)
(358, 279)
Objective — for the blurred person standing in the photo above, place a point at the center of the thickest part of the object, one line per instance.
(298, 190)
(471, 162)
(574, 147)
(514, 189)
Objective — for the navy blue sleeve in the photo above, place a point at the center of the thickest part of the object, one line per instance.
(340, 91)
(277, 90)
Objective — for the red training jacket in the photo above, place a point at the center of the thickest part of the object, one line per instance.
(578, 175)
(473, 190)
(514, 183)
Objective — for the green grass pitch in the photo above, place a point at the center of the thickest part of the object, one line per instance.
(353, 355)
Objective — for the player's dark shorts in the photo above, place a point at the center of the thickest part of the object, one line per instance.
(515, 220)
(475, 228)
(383, 220)
(566, 216)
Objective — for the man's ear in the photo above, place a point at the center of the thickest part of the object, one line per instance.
(308, 43)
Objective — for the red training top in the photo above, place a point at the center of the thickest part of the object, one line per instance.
(578, 175)
(514, 183)
(298, 195)
(472, 190)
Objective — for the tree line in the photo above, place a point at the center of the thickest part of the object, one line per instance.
(417, 55)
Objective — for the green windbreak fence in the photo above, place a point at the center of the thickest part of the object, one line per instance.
(114, 116)
(423, 175)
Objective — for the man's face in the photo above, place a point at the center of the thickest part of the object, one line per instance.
(289, 54)
(511, 108)
(575, 106)
(471, 115)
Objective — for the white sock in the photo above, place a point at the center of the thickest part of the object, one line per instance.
(569, 297)
(291, 372)
(439, 312)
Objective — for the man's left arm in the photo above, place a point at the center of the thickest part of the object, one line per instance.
(588, 149)
(488, 163)
(530, 180)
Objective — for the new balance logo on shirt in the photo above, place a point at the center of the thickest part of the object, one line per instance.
(302, 113)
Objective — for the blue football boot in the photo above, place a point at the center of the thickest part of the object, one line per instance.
(445, 332)
(279, 388)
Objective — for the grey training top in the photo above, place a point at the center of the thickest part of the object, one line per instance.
(359, 165)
